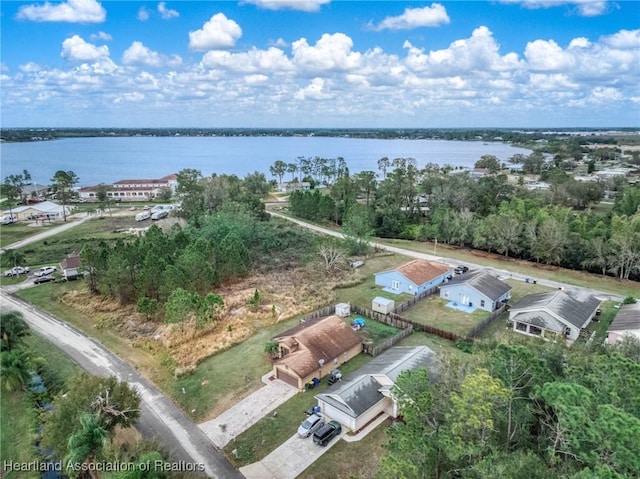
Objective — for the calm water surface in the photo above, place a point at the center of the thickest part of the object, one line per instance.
(106, 160)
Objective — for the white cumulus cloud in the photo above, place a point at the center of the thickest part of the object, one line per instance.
(139, 54)
(330, 53)
(303, 5)
(72, 11)
(253, 61)
(585, 8)
(313, 91)
(432, 16)
(167, 13)
(143, 14)
(624, 39)
(77, 48)
(219, 32)
(105, 37)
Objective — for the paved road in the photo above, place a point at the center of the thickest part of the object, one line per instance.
(502, 273)
(49, 232)
(160, 418)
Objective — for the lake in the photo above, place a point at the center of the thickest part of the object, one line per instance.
(106, 160)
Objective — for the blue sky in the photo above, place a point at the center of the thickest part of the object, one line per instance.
(320, 63)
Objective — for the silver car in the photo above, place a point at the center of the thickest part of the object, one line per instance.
(310, 425)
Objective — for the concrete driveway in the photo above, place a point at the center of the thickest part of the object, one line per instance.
(248, 411)
(289, 460)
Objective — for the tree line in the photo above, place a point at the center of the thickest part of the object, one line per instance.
(535, 410)
(553, 226)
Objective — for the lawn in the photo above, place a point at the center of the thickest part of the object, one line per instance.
(16, 232)
(54, 249)
(433, 311)
(267, 434)
(18, 424)
(373, 330)
(609, 312)
(19, 418)
(363, 293)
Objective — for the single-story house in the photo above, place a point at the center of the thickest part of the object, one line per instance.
(626, 323)
(289, 186)
(414, 277)
(477, 288)
(313, 349)
(367, 393)
(552, 314)
(70, 265)
(45, 210)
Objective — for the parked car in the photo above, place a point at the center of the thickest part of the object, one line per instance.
(43, 279)
(16, 270)
(46, 271)
(310, 425)
(323, 436)
(461, 269)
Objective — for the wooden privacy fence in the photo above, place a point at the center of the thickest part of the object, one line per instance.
(387, 343)
(326, 311)
(407, 304)
(478, 328)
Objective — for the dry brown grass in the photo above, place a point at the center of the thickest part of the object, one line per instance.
(283, 295)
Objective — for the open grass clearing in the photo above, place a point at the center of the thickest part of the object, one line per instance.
(373, 330)
(533, 270)
(521, 289)
(18, 231)
(267, 434)
(432, 311)
(18, 432)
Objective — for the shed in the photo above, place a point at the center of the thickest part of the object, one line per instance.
(343, 310)
(383, 305)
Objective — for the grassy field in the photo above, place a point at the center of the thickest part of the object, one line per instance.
(267, 434)
(18, 424)
(54, 249)
(17, 232)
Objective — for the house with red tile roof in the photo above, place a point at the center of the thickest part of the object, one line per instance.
(414, 277)
(133, 190)
(313, 349)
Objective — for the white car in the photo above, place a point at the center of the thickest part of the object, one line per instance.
(310, 425)
(46, 271)
(16, 271)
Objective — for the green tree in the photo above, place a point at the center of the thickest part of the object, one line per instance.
(63, 183)
(474, 411)
(13, 328)
(488, 162)
(358, 230)
(180, 306)
(113, 402)
(366, 183)
(85, 446)
(147, 306)
(190, 191)
(278, 169)
(16, 364)
(18, 182)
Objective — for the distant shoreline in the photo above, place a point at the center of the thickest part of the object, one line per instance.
(506, 135)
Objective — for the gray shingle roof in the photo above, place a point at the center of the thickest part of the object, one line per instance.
(575, 308)
(627, 318)
(361, 390)
(482, 281)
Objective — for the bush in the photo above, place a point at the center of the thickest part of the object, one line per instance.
(629, 300)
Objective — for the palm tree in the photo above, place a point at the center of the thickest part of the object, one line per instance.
(15, 369)
(86, 443)
(12, 329)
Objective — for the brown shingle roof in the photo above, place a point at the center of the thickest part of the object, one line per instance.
(421, 271)
(71, 262)
(322, 338)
